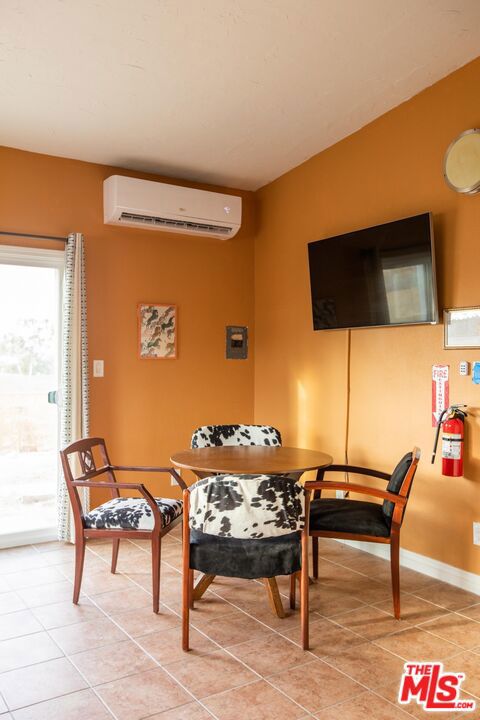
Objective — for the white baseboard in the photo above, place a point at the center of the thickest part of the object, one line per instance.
(423, 564)
(28, 537)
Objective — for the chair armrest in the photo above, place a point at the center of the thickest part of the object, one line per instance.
(141, 468)
(355, 469)
(127, 486)
(353, 487)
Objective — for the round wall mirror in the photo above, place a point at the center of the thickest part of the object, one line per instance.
(462, 163)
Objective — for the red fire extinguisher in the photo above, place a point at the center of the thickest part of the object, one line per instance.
(452, 424)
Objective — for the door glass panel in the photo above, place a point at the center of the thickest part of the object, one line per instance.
(29, 311)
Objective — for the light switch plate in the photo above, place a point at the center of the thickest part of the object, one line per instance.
(98, 368)
(476, 533)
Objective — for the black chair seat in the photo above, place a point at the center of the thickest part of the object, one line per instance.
(348, 516)
(234, 557)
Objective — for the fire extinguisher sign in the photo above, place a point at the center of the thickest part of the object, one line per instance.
(440, 391)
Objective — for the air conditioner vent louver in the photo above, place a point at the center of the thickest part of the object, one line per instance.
(166, 223)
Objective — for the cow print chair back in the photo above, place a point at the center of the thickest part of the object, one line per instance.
(217, 435)
(246, 526)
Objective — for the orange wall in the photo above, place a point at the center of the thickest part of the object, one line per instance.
(390, 169)
(145, 409)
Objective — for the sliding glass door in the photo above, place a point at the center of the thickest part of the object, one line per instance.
(30, 302)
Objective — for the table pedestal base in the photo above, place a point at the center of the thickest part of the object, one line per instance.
(271, 587)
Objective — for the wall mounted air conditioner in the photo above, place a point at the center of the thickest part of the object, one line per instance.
(159, 206)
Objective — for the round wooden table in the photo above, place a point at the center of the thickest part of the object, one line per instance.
(251, 459)
(256, 460)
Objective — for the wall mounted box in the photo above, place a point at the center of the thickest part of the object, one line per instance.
(237, 342)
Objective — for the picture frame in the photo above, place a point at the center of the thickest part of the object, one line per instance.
(461, 328)
(157, 331)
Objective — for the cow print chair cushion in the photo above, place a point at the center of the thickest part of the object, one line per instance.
(132, 514)
(216, 435)
(247, 506)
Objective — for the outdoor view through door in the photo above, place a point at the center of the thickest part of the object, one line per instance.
(30, 288)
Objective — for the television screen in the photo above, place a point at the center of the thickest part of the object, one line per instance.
(383, 275)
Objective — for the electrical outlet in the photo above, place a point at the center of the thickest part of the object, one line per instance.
(172, 479)
(98, 368)
(476, 533)
(340, 494)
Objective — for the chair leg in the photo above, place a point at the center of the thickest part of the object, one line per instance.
(395, 570)
(115, 549)
(304, 583)
(315, 557)
(187, 575)
(156, 554)
(191, 597)
(293, 589)
(79, 561)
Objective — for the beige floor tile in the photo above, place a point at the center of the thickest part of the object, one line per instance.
(102, 581)
(371, 565)
(82, 705)
(326, 637)
(144, 620)
(457, 629)
(410, 580)
(230, 629)
(210, 674)
(131, 598)
(415, 643)
(363, 588)
(449, 596)
(191, 711)
(65, 613)
(59, 556)
(371, 623)
(18, 623)
(166, 645)
(27, 650)
(315, 685)
(89, 635)
(367, 664)
(142, 695)
(257, 700)
(47, 594)
(10, 602)
(269, 655)
(472, 612)
(112, 662)
(413, 609)
(339, 552)
(364, 706)
(36, 683)
(330, 601)
(36, 576)
(15, 562)
(50, 546)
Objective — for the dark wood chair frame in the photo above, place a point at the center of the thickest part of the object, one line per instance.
(400, 504)
(87, 479)
(188, 591)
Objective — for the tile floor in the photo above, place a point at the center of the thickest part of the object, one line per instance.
(111, 656)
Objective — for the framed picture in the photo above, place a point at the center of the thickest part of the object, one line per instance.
(461, 328)
(157, 331)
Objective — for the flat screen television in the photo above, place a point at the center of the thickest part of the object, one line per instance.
(383, 275)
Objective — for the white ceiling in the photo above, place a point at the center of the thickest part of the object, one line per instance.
(233, 92)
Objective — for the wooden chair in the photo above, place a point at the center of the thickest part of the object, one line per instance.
(143, 517)
(228, 519)
(360, 520)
